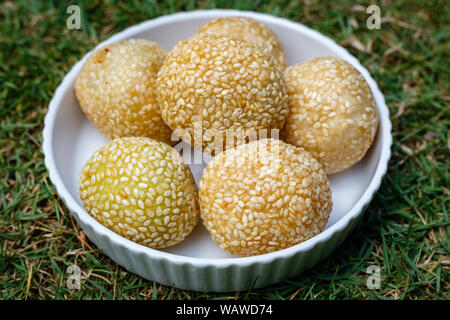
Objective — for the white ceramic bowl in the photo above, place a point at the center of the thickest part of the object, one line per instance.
(197, 263)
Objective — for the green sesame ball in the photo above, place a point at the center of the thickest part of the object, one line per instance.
(141, 189)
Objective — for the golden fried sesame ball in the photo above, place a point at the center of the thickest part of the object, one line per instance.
(332, 112)
(141, 189)
(212, 86)
(263, 196)
(248, 29)
(116, 90)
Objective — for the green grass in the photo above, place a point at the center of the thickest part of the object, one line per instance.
(404, 231)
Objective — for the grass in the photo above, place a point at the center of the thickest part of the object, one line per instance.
(404, 231)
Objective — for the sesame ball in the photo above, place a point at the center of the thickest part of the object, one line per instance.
(248, 29)
(212, 87)
(141, 189)
(116, 90)
(263, 196)
(332, 112)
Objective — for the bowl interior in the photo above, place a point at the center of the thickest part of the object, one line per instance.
(75, 138)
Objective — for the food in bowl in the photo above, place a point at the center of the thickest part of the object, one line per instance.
(213, 87)
(255, 197)
(141, 189)
(332, 112)
(263, 196)
(196, 263)
(116, 90)
(249, 29)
